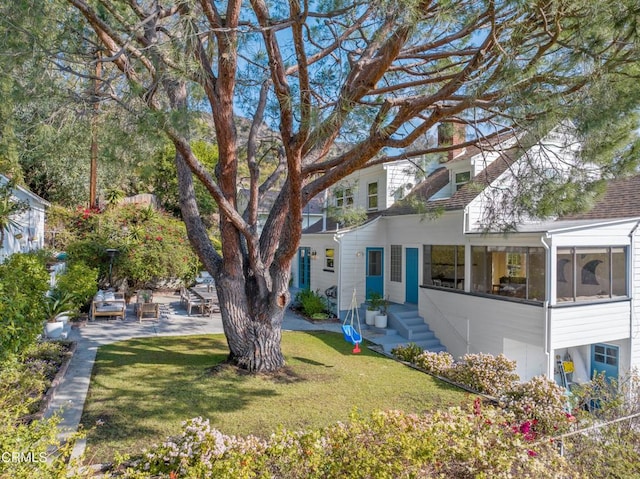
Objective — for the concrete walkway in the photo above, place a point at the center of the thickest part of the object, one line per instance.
(71, 393)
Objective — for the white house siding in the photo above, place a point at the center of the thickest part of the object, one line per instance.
(353, 246)
(414, 231)
(467, 323)
(389, 177)
(320, 276)
(399, 176)
(31, 224)
(587, 324)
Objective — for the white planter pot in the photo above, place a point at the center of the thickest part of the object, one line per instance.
(53, 330)
(370, 317)
(63, 319)
(381, 321)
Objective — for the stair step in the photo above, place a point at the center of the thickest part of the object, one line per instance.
(417, 337)
(406, 314)
(412, 321)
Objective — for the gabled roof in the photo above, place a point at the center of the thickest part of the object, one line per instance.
(30, 194)
(621, 199)
(461, 198)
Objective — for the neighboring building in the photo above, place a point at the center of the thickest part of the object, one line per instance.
(311, 214)
(29, 235)
(557, 289)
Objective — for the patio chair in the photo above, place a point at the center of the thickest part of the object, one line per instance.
(150, 310)
(194, 301)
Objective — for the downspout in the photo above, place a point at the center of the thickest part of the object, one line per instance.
(630, 276)
(547, 311)
(337, 238)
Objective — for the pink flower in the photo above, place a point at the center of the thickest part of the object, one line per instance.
(532, 453)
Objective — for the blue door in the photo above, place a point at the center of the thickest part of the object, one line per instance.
(375, 271)
(304, 267)
(411, 279)
(605, 359)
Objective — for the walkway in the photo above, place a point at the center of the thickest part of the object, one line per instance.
(71, 393)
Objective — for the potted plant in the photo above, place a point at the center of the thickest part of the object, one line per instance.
(381, 318)
(58, 308)
(373, 308)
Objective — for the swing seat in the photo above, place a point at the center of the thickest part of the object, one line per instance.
(350, 334)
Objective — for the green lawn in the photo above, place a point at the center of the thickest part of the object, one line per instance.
(142, 389)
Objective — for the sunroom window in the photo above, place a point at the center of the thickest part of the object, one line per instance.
(587, 274)
(443, 266)
(516, 272)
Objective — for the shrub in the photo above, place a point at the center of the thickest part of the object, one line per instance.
(31, 450)
(407, 353)
(24, 280)
(312, 303)
(435, 363)
(541, 402)
(485, 373)
(79, 281)
(459, 442)
(152, 246)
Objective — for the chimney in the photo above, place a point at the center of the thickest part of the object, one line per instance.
(452, 133)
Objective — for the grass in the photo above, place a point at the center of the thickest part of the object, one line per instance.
(142, 389)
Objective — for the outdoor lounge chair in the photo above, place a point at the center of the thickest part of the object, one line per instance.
(108, 304)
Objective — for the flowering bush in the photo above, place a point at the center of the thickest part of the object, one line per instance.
(152, 246)
(435, 363)
(458, 442)
(541, 403)
(485, 373)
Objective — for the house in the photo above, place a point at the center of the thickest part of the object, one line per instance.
(548, 293)
(322, 263)
(28, 234)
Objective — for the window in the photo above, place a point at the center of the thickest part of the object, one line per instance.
(374, 262)
(396, 263)
(591, 273)
(443, 265)
(509, 271)
(372, 196)
(462, 178)
(328, 258)
(605, 354)
(344, 197)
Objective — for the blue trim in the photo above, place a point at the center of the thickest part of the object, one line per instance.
(411, 286)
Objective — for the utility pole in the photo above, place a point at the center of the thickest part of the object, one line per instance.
(93, 174)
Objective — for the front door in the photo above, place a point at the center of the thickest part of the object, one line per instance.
(605, 359)
(304, 267)
(375, 271)
(411, 280)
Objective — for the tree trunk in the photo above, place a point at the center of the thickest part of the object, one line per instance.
(252, 323)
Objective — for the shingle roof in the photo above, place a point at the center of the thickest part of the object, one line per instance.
(471, 190)
(621, 199)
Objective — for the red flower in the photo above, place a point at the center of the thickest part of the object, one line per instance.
(532, 453)
(158, 238)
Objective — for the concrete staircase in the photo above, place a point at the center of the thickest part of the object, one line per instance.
(404, 326)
